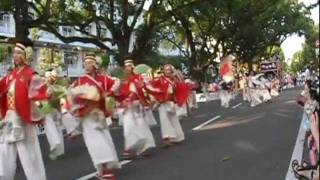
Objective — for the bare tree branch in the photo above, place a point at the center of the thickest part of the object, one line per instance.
(75, 38)
(185, 53)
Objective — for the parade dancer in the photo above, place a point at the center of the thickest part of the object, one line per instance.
(226, 72)
(69, 122)
(192, 100)
(87, 99)
(254, 96)
(225, 93)
(275, 87)
(138, 137)
(263, 88)
(245, 89)
(182, 111)
(21, 88)
(51, 109)
(148, 115)
(170, 93)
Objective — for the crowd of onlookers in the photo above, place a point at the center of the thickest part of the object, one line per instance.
(309, 100)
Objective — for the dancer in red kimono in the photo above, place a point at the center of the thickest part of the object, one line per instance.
(19, 90)
(138, 137)
(170, 93)
(87, 98)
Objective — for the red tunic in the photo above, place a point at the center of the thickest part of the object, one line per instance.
(132, 89)
(22, 100)
(104, 84)
(179, 94)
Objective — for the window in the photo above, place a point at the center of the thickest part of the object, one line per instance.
(48, 35)
(103, 32)
(70, 58)
(67, 31)
(4, 23)
(88, 29)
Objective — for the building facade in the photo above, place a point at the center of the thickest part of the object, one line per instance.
(72, 53)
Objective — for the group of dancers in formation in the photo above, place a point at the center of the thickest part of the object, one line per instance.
(257, 88)
(85, 108)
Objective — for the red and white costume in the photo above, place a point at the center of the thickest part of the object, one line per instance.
(87, 100)
(171, 93)
(192, 100)
(18, 92)
(137, 134)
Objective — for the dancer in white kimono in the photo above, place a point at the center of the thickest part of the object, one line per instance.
(225, 93)
(138, 138)
(87, 98)
(263, 86)
(254, 95)
(19, 91)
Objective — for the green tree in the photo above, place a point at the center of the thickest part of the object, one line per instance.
(298, 63)
(256, 25)
(307, 56)
(27, 15)
(5, 51)
(273, 51)
(192, 31)
(49, 59)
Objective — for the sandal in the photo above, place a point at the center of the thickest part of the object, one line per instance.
(167, 143)
(297, 168)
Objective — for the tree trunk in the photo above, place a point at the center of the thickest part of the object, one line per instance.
(250, 65)
(21, 22)
(123, 53)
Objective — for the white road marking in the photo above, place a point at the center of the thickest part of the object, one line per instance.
(206, 123)
(297, 151)
(125, 162)
(91, 175)
(236, 106)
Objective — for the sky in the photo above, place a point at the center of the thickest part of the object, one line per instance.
(294, 43)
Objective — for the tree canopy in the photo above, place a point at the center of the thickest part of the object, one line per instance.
(307, 56)
(201, 31)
